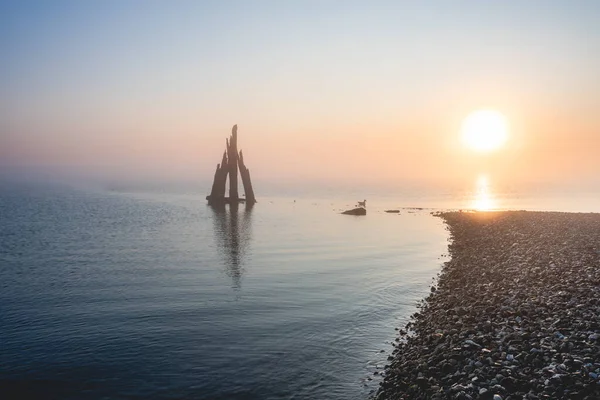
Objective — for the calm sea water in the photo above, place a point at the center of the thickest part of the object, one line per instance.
(136, 295)
(131, 295)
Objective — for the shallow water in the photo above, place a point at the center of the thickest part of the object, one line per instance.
(133, 295)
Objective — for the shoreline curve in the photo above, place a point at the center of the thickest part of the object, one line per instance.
(515, 314)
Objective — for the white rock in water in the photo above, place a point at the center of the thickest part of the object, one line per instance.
(497, 397)
(510, 357)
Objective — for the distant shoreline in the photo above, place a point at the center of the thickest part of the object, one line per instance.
(516, 312)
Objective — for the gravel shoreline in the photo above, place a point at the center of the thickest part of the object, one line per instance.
(515, 314)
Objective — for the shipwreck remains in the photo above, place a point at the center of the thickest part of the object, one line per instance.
(231, 161)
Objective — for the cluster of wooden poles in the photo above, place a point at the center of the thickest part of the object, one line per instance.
(232, 160)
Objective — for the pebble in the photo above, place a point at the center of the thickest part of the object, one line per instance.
(515, 313)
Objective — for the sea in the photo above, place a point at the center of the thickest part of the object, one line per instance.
(117, 293)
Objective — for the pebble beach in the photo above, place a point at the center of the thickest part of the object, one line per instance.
(514, 313)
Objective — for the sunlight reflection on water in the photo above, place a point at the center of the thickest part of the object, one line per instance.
(484, 199)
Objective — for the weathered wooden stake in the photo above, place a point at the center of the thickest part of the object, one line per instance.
(213, 192)
(245, 174)
(222, 177)
(232, 156)
(217, 194)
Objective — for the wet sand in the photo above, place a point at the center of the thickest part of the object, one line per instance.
(515, 313)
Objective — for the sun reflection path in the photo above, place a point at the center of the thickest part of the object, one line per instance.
(483, 201)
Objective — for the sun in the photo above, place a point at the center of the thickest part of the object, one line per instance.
(484, 130)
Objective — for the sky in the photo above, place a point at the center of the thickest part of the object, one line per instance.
(353, 92)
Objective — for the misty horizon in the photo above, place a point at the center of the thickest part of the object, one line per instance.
(342, 94)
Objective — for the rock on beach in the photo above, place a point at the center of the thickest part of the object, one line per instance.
(515, 315)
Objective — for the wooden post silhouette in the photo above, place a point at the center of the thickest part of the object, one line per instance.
(232, 157)
(217, 194)
(232, 160)
(245, 174)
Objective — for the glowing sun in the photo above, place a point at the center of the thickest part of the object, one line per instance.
(484, 130)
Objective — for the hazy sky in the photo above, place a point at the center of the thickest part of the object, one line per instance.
(351, 91)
